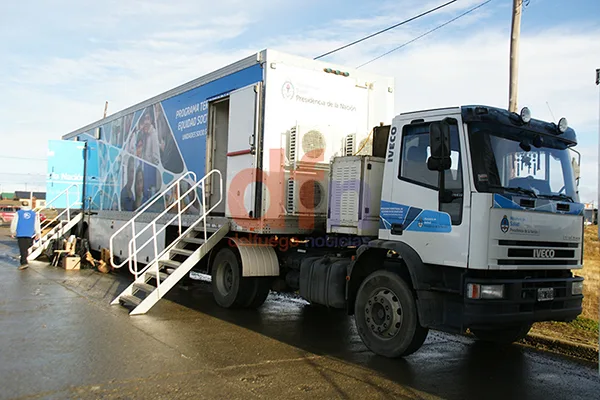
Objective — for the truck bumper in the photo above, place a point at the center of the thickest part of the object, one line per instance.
(520, 303)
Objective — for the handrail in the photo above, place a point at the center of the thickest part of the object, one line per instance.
(67, 210)
(134, 250)
(131, 223)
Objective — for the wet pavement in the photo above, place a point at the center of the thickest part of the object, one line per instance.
(60, 338)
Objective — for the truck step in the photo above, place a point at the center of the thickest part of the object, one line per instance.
(209, 228)
(193, 240)
(169, 263)
(182, 252)
(152, 275)
(130, 300)
(144, 287)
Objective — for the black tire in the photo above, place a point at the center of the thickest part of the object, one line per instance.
(386, 316)
(258, 291)
(229, 290)
(503, 336)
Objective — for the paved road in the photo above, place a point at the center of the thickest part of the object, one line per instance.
(60, 338)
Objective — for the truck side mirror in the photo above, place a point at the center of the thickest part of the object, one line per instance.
(576, 164)
(439, 142)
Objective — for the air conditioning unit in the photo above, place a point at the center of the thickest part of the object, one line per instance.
(307, 191)
(313, 145)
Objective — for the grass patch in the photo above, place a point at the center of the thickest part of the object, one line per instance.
(585, 324)
(590, 273)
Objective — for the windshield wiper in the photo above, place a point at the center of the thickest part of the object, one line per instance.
(517, 189)
(559, 196)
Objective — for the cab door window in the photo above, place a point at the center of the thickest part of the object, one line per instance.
(415, 151)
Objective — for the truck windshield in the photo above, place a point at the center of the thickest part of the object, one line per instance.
(507, 163)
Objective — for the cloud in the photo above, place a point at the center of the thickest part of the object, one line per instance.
(134, 50)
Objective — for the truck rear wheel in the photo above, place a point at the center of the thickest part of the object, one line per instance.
(230, 289)
(258, 291)
(502, 336)
(386, 315)
(226, 275)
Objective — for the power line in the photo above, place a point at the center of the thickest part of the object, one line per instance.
(426, 33)
(23, 173)
(386, 29)
(23, 158)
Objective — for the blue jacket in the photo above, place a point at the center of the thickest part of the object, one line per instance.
(25, 224)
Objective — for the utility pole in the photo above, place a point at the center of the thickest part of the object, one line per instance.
(105, 108)
(514, 55)
(598, 84)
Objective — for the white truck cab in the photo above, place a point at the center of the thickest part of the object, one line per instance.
(480, 220)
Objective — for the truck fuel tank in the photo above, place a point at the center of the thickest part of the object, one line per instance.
(323, 280)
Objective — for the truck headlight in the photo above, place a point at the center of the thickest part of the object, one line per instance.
(562, 125)
(577, 288)
(525, 115)
(477, 291)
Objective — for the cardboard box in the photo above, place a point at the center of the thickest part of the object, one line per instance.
(105, 255)
(71, 262)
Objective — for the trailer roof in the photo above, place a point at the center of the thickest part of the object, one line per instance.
(227, 70)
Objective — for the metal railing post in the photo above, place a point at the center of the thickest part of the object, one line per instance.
(179, 205)
(68, 206)
(204, 209)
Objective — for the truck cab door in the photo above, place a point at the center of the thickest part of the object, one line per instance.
(412, 210)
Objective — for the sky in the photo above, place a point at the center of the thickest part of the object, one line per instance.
(62, 60)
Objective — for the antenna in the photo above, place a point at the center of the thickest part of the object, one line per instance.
(551, 113)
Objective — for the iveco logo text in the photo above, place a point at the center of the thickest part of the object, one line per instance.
(392, 145)
(543, 253)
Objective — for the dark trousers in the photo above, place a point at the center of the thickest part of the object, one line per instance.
(24, 244)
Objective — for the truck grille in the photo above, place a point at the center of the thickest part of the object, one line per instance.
(537, 253)
(528, 243)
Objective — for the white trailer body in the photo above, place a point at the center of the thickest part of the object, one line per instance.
(270, 123)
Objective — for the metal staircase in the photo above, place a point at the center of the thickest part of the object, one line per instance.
(169, 266)
(61, 224)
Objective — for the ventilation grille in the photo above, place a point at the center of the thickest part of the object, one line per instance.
(349, 145)
(311, 195)
(290, 196)
(345, 195)
(305, 197)
(292, 145)
(314, 144)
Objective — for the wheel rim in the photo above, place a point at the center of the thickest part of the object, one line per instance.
(225, 278)
(383, 313)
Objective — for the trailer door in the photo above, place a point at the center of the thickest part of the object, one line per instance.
(241, 152)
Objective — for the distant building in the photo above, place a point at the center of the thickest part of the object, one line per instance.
(31, 199)
(28, 195)
(590, 214)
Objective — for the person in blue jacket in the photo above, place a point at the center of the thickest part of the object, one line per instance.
(24, 226)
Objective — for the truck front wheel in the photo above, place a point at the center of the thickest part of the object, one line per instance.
(386, 315)
(502, 336)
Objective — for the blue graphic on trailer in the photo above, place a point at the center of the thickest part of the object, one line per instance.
(133, 158)
(507, 201)
(187, 114)
(65, 168)
(413, 218)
